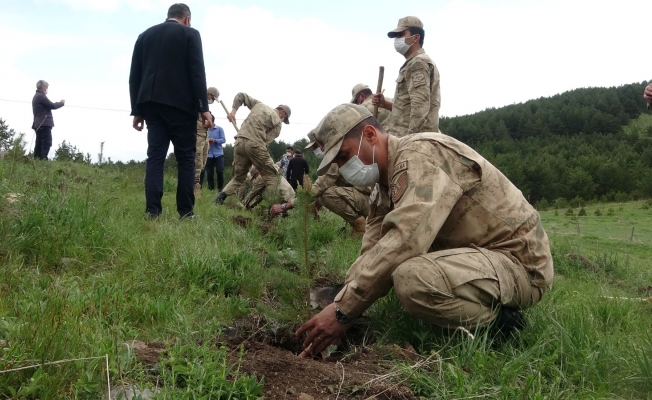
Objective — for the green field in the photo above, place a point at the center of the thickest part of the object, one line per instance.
(82, 273)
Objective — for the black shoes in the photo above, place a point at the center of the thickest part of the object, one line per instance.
(187, 217)
(509, 320)
(221, 196)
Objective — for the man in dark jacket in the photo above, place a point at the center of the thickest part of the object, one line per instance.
(43, 122)
(296, 168)
(167, 85)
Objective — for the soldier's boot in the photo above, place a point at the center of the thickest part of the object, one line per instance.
(509, 321)
(221, 196)
(197, 191)
(358, 226)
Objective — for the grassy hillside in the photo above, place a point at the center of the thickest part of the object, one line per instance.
(212, 303)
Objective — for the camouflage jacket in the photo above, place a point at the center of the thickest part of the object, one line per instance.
(443, 195)
(383, 114)
(417, 97)
(262, 124)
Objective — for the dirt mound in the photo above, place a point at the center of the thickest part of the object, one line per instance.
(287, 376)
(357, 373)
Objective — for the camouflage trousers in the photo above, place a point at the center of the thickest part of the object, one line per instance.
(201, 153)
(463, 287)
(346, 202)
(246, 153)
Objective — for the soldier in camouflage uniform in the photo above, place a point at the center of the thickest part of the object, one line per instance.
(201, 146)
(282, 190)
(333, 192)
(448, 231)
(417, 98)
(259, 129)
(362, 95)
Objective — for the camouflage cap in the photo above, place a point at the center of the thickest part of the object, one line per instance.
(313, 141)
(404, 24)
(213, 90)
(357, 89)
(336, 124)
(287, 111)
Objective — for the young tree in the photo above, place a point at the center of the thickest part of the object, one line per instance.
(6, 136)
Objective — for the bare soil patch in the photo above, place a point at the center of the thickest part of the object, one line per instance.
(288, 377)
(345, 374)
(241, 221)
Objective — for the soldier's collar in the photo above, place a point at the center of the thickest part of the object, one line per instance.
(416, 53)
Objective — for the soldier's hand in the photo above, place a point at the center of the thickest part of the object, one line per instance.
(274, 210)
(207, 120)
(63, 101)
(138, 123)
(378, 99)
(231, 116)
(323, 330)
(648, 93)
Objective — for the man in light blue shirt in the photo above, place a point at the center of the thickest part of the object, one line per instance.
(215, 161)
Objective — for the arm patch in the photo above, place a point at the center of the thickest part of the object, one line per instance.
(418, 79)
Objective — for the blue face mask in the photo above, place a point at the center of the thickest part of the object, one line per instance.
(357, 173)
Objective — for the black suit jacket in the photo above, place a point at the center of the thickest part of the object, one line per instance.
(42, 108)
(167, 67)
(296, 168)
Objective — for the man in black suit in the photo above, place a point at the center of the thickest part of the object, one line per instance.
(297, 167)
(167, 85)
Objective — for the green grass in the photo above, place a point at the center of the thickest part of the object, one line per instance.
(82, 272)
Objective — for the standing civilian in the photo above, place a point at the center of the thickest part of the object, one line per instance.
(297, 167)
(167, 86)
(43, 122)
(215, 161)
(283, 164)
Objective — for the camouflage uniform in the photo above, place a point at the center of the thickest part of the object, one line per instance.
(337, 195)
(201, 149)
(453, 236)
(383, 114)
(417, 98)
(258, 130)
(281, 190)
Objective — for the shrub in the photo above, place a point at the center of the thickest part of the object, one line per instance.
(597, 212)
(582, 213)
(570, 212)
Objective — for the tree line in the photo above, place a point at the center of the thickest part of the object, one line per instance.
(591, 144)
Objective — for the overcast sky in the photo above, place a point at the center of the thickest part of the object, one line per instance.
(309, 55)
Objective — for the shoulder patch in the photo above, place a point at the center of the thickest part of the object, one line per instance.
(399, 185)
(418, 79)
(402, 166)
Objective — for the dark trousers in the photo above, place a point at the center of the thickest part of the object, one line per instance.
(43, 142)
(215, 164)
(295, 183)
(167, 124)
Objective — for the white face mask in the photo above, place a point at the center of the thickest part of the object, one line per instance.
(400, 46)
(357, 173)
(210, 101)
(318, 153)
